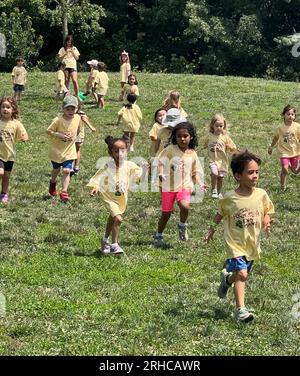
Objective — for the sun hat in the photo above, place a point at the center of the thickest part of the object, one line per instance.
(93, 62)
(173, 117)
(69, 101)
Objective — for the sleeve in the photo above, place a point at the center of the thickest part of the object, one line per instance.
(54, 125)
(277, 133)
(95, 181)
(230, 145)
(76, 52)
(81, 129)
(268, 204)
(196, 167)
(121, 111)
(222, 207)
(136, 91)
(61, 52)
(205, 143)
(153, 132)
(135, 171)
(13, 73)
(21, 131)
(164, 156)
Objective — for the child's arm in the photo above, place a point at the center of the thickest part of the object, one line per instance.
(273, 143)
(157, 145)
(267, 224)
(119, 119)
(201, 184)
(218, 218)
(86, 121)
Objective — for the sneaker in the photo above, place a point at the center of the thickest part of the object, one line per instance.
(223, 288)
(243, 315)
(64, 196)
(214, 194)
(182, 232)
(131, 148)
(116, 250)
(4, 197)
(52, 188)
(75, 171)
(105, 247)
(220, 195)
(158, 241)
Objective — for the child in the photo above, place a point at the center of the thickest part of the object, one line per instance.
(287, 140)
(130, 88)
(79, 141)
(157, 126)
(63, 132)
(172, 118)
(173, 101)
(101, 84)
(10, 130)
(131, 117)
(218, 144)
(90, 84)
(125, 69)
(61, 89)
(19, 78)
(245, 211)
(113, 182)
(179, 168)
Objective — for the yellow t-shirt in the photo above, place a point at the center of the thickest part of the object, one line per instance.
(218, 147)
(125, 71)
(113, 184)
(288, 144)
(101, 82)
(154, 134)
(133, 89)
(10, 131)
(180, 168)
(60, 81)
(69, 59)
(60, 150)
(19, 75)
(131, 118)
(164, 135)
(243, 222)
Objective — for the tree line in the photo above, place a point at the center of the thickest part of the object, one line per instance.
(223, 37)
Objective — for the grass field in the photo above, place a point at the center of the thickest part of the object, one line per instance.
(63, 299)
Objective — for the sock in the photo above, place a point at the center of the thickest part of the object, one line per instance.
(227, 281)
(181, 224)
(159, 235)
(104, 239)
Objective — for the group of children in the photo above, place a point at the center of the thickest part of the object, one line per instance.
(245, 210)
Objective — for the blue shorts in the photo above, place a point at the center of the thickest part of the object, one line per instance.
(238, 263)
(18, 87)
(7, 166)
(65, 164)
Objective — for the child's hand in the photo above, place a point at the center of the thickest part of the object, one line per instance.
(210, 235)
(162, 177)
(204, 187)
(267, 228)
(93, 192)
(93, 129)
(24, 137)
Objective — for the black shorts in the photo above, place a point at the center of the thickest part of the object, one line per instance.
(8, 166)
(70, 70)
(18, 87)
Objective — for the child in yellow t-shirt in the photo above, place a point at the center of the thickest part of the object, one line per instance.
(19, 78)
(156, 127)
(61, 89)
(130, 88)
(113, 182)
(179, 169)
(173, 101)
(11, 129)
(218, 144)
(245, 212)
(125, 70)
(287, 140)
(101, 84)
(131, 116)
(90, 83)
(63, 133)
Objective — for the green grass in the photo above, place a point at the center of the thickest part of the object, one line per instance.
(63, 299)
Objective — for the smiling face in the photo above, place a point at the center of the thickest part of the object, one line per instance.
(183, 138)
(6, 110)
(249, 177)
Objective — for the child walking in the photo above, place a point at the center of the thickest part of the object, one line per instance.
(179, 169)
(287, 140)
(61, 89)
(125, 69)
(101, 84)
(63, 133)
(173, 101)
(246, 211)
(156, 127)
(90, 84)
(19, 78)
(130, 88)
(131, 116)
(113, 182)
(11, 129)
(218, 144)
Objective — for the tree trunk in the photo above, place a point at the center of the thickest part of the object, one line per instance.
(65, 30)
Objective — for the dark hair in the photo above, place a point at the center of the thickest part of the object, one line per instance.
(132, 75)
(19, 58)
(131, 99)
(69, 38)
(101, 66)
(110, 141)
(240, 160)
(288, 108)
(190, 128)
(157, 111)
(15, 111)
(61, 65)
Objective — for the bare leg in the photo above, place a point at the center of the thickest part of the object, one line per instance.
(54, 174)
(5, 181)
(109, 224)
(75, 83)
(77, 160)
(165, 216)
(117, 220)
(65, 179)
(219, 184)
(283, 176)
(184, 207)
(214, 181)
(239, 279)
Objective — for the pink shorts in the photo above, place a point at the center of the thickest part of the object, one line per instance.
(215, 171)
(168, 199)
(289, 161)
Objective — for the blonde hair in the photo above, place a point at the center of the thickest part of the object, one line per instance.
(214, 119)
(172, 100)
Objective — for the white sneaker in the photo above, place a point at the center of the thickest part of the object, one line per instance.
(116, 250)
(182, 232)
(131, 148)
(243, 315)
(220, 195)
(223, 288)
(105, 247)
(214, 194)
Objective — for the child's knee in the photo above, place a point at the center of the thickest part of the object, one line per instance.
(184, 205)
(66, 170)
(1, 172)
(242, 275)
(118, 220)
(284, 170)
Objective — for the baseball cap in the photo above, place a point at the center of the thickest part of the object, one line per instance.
(93, 62)
(70, 100)
(173, 117)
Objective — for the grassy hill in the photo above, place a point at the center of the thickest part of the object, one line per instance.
(64, 299)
